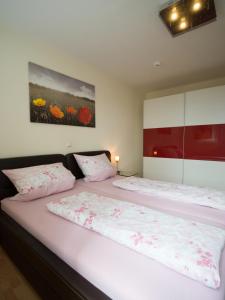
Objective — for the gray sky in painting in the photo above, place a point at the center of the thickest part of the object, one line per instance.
(57, 81)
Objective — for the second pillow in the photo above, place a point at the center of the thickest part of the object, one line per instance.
(95, 168)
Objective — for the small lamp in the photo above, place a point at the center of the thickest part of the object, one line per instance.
(117, 159)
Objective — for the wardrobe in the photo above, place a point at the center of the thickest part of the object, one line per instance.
(184, 138)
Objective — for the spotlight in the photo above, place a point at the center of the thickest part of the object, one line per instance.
(183, 24)
(174, 15)
(197, 6)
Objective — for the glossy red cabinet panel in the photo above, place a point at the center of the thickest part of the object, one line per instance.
(200, 142)
(163, 142)
(205, 142)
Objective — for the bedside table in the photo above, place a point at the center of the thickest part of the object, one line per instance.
(127, 173)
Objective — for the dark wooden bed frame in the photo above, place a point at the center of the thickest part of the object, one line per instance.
(48, 274)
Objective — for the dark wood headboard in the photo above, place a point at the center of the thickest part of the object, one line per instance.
(7, 189)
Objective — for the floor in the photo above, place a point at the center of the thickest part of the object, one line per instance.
(13, 286)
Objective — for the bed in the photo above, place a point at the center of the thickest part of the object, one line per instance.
(96, 268)
(48, 274)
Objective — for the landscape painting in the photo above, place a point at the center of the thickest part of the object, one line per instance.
(59, 99)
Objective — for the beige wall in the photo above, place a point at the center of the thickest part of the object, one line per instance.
(118, 107)
(185, 88)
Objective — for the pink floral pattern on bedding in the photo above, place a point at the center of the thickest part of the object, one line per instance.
(40, 181)
(172, 191)
(95, 168)
(190, 248)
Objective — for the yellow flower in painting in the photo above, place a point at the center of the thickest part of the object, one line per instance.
(39, 102)
(56, 111)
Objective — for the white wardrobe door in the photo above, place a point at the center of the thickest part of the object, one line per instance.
(158, 113)
(166, 169)
(204, 173)
(206, 106)
(164, 112)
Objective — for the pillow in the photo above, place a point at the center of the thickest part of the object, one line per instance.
(95, 168)
(40, 181)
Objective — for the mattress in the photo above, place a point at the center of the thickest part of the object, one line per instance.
(119, 272)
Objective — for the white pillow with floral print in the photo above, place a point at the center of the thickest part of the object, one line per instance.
(40, 181)
(95, 168)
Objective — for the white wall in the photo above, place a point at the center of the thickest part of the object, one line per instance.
(118, 107)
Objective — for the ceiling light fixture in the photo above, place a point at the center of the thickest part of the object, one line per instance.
(183, 15)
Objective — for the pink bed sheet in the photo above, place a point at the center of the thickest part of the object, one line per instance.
(204, 214)
(118, 271)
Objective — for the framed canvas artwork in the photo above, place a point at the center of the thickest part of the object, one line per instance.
(59, 99)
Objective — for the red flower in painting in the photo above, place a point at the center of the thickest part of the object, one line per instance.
(84, 115)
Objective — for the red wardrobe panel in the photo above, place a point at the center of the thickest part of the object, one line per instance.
(205, 142)
(163, 142)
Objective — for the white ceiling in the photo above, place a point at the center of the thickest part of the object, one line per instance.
(124, 38)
